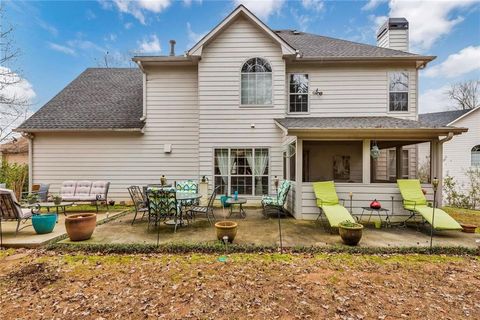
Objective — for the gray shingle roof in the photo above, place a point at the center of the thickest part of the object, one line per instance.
(99, 98)
(442, 118)
(353, 123)
(315, 46)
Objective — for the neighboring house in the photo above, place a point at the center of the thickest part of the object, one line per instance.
(15, 151)
(245, 105)
(462, 152)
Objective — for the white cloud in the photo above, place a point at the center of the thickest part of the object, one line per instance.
(90, 15)
(434, 100)
(457, 64)
(150, 45)
(262, 9)
(48, 27)
(84, 45)
(128, 25)
(137, 8)
(372, 4)
(314, 5)
(188, 3)
(193, 37)
(429, 20)
(61, 48)
(19, 88)
(303, 20)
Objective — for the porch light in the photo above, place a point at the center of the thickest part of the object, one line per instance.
(435, 183)
(375, 152)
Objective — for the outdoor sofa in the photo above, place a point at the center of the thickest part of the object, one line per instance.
(85, 191)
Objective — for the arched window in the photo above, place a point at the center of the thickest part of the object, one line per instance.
(476, 155)
(256, 86)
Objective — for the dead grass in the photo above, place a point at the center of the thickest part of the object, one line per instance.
(465, 216)
(257, 286)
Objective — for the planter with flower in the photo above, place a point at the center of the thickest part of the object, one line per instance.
(351, 232)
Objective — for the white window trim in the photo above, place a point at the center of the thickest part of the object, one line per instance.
(288, 94)
(240, 86)
(471, 157)
(229, 181)
(408, 93)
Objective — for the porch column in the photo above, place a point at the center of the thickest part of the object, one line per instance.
(399, 162)
(298, 179)
(366, 166)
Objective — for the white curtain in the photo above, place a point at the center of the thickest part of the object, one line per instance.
(222, 161)
(258, 165)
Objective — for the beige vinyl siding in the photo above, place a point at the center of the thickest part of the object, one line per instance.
(383, 41)
(354, 91)
(127, 159)
(398, 40)
(223, 122)
(363, 195)
(457, 152)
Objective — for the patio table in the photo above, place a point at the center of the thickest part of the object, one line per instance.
(50, 205)
(240, 202)
(381, 212)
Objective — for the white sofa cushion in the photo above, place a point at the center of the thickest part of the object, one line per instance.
(68, 189)
(83, 188)
(100, 188)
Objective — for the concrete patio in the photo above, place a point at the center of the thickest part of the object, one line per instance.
(260, 231)
(28, 238)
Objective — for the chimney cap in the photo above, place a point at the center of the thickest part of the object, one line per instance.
(393, 24)
(172, 47)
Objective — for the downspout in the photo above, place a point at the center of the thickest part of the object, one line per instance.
(30, 137)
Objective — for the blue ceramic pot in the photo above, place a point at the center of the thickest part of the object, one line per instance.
(44, 223)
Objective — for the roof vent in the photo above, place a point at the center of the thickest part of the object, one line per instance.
(172, 47)
(296, 32)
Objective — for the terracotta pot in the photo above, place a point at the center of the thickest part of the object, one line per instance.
(468, 228)
(351, 235)
(80, 226)
(226, 228)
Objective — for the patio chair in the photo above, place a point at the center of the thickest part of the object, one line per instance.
(41, 190)
(329, 205)
(162, 205)
(415, 202)
(276, 203)
(139, 201)
(10, 209)
(206, 210)
(188, 186)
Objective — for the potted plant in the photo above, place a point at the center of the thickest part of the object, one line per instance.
(32, 198)
(351, 232)
(57, 199)
(80, 226)
(226, 229)
(111, 203)
(44, 223)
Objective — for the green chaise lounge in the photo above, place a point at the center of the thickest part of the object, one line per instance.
(414, 201)
(328, 203)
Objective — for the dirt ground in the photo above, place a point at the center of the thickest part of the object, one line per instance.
(45, 285)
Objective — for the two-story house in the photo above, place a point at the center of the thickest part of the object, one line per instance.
(244, 106)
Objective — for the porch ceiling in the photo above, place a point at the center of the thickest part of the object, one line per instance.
(363, 128)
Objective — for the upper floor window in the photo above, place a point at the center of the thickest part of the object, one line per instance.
(256, 87)
(398, 91)
(476, 155)
(298, 93)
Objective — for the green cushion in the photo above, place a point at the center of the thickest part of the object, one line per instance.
(412, 194)
(325, 193)
(336, 214)
(442, 220)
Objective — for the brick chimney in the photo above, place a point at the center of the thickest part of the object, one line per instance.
(393, 34)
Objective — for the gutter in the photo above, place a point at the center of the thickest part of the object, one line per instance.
(79, 130)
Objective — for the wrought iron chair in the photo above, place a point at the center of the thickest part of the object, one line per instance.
(162, 205)
(276, 203)
(188, 186)
(10, 209)
(139, 201)
(206, 210)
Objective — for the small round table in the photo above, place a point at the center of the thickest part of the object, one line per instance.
(240, 202)
(381, 212)
(183, 197)
(50, 205)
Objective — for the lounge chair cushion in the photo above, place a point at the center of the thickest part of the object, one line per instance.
(412, 194)
(336, 214)
(68, 188)
(269, 201)
(325, 193)
(442, 221)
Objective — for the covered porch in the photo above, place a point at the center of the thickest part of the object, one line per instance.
(364, 156)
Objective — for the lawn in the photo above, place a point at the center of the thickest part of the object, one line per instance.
(257, 286)
(90, 208)
(465, 216)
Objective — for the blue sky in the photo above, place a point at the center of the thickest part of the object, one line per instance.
(60, 39)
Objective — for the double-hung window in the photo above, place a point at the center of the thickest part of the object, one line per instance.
(298, 93)
(245, 170)
(476, 156)
(256, 85)
(398, 91)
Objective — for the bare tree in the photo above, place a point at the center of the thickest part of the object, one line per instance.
(12, 106)
(115, 60)
(466, 94)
